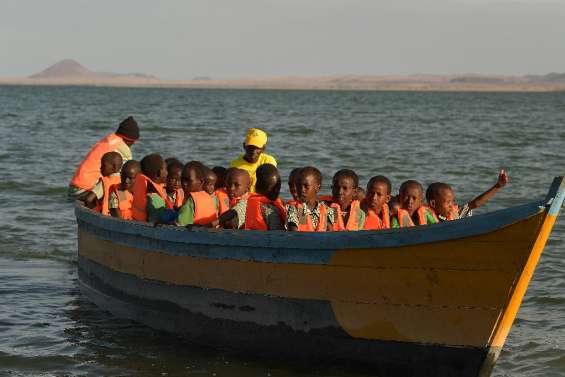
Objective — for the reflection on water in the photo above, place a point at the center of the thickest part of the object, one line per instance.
(46, 326)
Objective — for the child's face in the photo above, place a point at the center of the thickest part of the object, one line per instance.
(210, 185)
(107, 168)
(173, 180)
(162, 178)
(190, 181)
(237, 186)
(377, 196)
(444, 203)
(128, 178)
(343, 191)
(411, 199)
(307, 188)
(293, 189)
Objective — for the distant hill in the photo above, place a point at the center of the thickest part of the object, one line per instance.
(477, 79)
(71, 70)
(64, 68)
(552, 77)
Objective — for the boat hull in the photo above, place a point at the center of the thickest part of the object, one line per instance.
(225, 329)
(426, 301)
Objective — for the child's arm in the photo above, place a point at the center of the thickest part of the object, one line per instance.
(90, 200)
(229, 219)
(113, 205)
(487, 195)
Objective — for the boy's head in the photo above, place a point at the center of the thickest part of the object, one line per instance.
(111, 163)
(237, 182)
(344, 187)
(268, 181)
(130, 170)
(410, 195)
(394, 205)
(292, 178)
(210, 181)
(128, 131)
(378, 192)
(430, 191)
(173, 160)
(441, 198)
(220, 172)
(193, 177)
(360, 194)
(154, 167)
(174, 172)
(255, 144)
(308, 183)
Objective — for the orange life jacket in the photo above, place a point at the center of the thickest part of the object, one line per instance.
(375, 222)
(254, 219)
(125, 201)
(88, 172)
(352, 221)
(223, 200)
(234, 201)
(450, 217)
(103, 204)
(308, 226)
(292, 202)
(204, 208)
(139, 204)
(405, 220)
(179, 198)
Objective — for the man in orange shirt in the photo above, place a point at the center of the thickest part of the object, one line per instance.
(88, 171)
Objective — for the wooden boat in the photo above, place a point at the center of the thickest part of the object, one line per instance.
(424, 301)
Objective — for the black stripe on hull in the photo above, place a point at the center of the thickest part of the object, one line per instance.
(328, 344)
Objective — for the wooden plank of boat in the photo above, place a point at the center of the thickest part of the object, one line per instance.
(437, 300)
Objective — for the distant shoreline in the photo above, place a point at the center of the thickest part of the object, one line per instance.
(325, 83)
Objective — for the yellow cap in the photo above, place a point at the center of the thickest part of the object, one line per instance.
(256, 137)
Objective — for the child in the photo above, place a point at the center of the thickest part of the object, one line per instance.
(348, 214)
(174, 190)
(237, 185)
(292, 177)
(121, 197)
(394, 206)
(210, 181)
(309, 214)
(150, 198)
(442, 199)
(200, 208)
(220, 172)
(412, 211)
(262, 210)
(375, 204)
(98, 197)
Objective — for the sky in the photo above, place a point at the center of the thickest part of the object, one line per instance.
(182, 39)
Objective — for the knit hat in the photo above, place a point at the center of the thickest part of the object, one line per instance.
(128, 129)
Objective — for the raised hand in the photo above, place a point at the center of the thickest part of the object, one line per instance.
(502, 179)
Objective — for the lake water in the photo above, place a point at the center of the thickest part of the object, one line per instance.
(48, 328)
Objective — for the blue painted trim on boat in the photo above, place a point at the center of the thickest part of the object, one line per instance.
(556, 196)
(288, 247)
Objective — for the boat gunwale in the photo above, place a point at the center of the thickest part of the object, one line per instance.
(300, 241)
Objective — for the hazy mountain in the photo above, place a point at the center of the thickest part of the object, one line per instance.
(70, 69)
(64, 68)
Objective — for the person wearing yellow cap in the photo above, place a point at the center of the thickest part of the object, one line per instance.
(254, 156)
